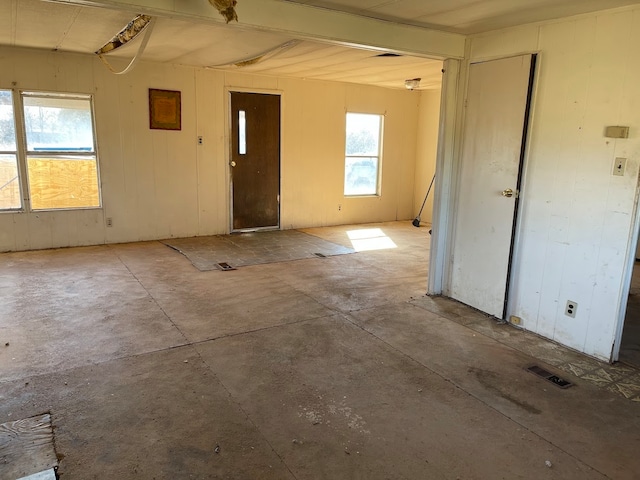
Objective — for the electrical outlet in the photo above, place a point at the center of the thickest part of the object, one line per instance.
(515, 320)
(570, 311)
(200, 141)
(109, 222)
(339, 207)
(619, 165)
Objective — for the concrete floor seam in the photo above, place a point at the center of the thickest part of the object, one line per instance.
(328, 305)
(95, 364)
(475, 397)
(151, 297)
(258, 330)
(244, 412)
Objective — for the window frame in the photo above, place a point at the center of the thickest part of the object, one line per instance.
(378, 156)
(22, 154)
(15, 152)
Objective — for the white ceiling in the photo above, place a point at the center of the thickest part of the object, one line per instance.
(467, 16)
(65, 27)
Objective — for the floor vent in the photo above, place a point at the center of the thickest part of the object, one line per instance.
(321, 255)
(556, 380)
(225, 266)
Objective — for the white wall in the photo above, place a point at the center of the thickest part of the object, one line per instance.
(426, 150)
(158, 184)
(576, 218)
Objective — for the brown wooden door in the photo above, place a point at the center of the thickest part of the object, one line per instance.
(255, 160)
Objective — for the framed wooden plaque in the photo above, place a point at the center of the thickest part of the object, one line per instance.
(164, 110)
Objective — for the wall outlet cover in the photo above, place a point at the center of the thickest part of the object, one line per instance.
(515, 320)
(570, 310)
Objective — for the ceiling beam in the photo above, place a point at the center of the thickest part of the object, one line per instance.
(304, 21)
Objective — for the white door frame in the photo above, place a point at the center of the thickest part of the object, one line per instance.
(447, 166)
(634, 232)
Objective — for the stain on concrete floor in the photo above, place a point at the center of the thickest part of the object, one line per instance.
(618, 378)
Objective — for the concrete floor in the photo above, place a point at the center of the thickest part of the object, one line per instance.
(324, 368)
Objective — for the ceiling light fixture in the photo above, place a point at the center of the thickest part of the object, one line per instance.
(412, 83)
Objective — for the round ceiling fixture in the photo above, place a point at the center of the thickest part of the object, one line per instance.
(412, 83)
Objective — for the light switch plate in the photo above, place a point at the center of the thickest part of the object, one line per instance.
(619, 166)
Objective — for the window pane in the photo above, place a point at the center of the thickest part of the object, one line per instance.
(242, 133)
(361, 176)
(7, 124)
(363, 134)
(63, 182)
(58, 124)
(9, 183)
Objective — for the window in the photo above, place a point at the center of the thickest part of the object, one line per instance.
(10, 198)
(58, 152)
(362, 154)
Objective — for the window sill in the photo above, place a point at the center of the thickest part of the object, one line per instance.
(48, 210)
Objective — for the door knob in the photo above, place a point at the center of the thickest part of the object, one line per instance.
(233, 164)
(508, 193)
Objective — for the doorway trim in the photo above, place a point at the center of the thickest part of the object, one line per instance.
(228, 89)
(446, 177)
(634, 233)
(514, 265)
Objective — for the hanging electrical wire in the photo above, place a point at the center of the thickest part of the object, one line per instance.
(272, 52)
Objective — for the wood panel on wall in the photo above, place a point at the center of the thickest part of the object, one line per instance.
(63, 183)
(9, 183)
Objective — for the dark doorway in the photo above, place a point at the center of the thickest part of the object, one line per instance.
(255, 160)
(630, 346)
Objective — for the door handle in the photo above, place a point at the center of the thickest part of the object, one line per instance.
(509, 193)
(233, 164)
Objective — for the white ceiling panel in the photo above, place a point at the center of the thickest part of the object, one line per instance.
(92, 28)
(329, 62)
(43, 25)
(201, 45)
(467, 16)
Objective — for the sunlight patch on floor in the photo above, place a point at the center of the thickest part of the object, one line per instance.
(370, 239)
